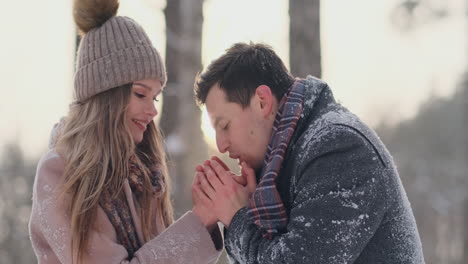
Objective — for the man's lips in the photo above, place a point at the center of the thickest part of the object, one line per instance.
(238, 158)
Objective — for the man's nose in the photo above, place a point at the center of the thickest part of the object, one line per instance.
(222, 143)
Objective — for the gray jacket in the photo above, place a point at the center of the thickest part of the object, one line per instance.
(344, 199)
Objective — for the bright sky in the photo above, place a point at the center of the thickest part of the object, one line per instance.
(374, 69)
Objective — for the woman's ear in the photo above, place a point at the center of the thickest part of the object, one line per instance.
(265, 99)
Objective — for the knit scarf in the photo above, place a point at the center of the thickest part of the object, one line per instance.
(266, 208)
(118, 210)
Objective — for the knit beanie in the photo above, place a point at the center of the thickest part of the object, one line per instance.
(113, 51)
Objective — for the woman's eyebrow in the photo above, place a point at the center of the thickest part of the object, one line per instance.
(142, 85)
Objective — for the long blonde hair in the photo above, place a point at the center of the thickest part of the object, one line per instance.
(96, 145)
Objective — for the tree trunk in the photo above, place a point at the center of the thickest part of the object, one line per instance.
(465, 143)
(181, 118)
(465, 156)
(304, 40)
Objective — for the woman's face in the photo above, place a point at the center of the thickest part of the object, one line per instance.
(142, 106)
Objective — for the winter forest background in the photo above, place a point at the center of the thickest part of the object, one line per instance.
(400, 65)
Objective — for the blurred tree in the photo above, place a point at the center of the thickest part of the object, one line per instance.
(464, 144)
(16, 181)
(181, 118)
(409, 14)
(304, 40)
(433, 170)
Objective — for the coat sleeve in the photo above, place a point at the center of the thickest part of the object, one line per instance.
(185, 241)
(337, 204)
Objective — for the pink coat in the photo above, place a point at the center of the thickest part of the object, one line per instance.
(185, 241)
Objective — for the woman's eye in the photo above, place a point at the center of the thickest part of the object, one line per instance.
(139, 95)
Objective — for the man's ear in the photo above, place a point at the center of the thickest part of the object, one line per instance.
(265, 99)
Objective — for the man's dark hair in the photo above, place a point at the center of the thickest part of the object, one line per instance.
(241, 70)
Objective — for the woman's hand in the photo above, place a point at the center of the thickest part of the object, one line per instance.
(219, 190)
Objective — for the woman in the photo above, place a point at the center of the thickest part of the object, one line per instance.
(101, 192)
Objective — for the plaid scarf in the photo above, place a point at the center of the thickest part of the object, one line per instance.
(266, 208)
(118, 210)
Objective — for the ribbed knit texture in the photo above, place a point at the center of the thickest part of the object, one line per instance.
(117, 53)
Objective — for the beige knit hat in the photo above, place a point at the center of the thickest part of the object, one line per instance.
(114, 50)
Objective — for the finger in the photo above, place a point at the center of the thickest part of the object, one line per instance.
(213, 177)
(239, 179)
(250, 176)
(197, 178)
(199, 168)
(206, 186)
(220, 162)
(201, 195)
(197, 194)
(223, 175)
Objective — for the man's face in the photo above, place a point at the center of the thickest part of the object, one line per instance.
(244, 133)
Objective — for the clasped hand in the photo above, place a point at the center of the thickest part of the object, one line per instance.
(218, 193)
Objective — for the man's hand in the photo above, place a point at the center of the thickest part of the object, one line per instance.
(221, 192)
(240, 179)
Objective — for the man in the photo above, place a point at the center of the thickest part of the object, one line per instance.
(328, 190)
